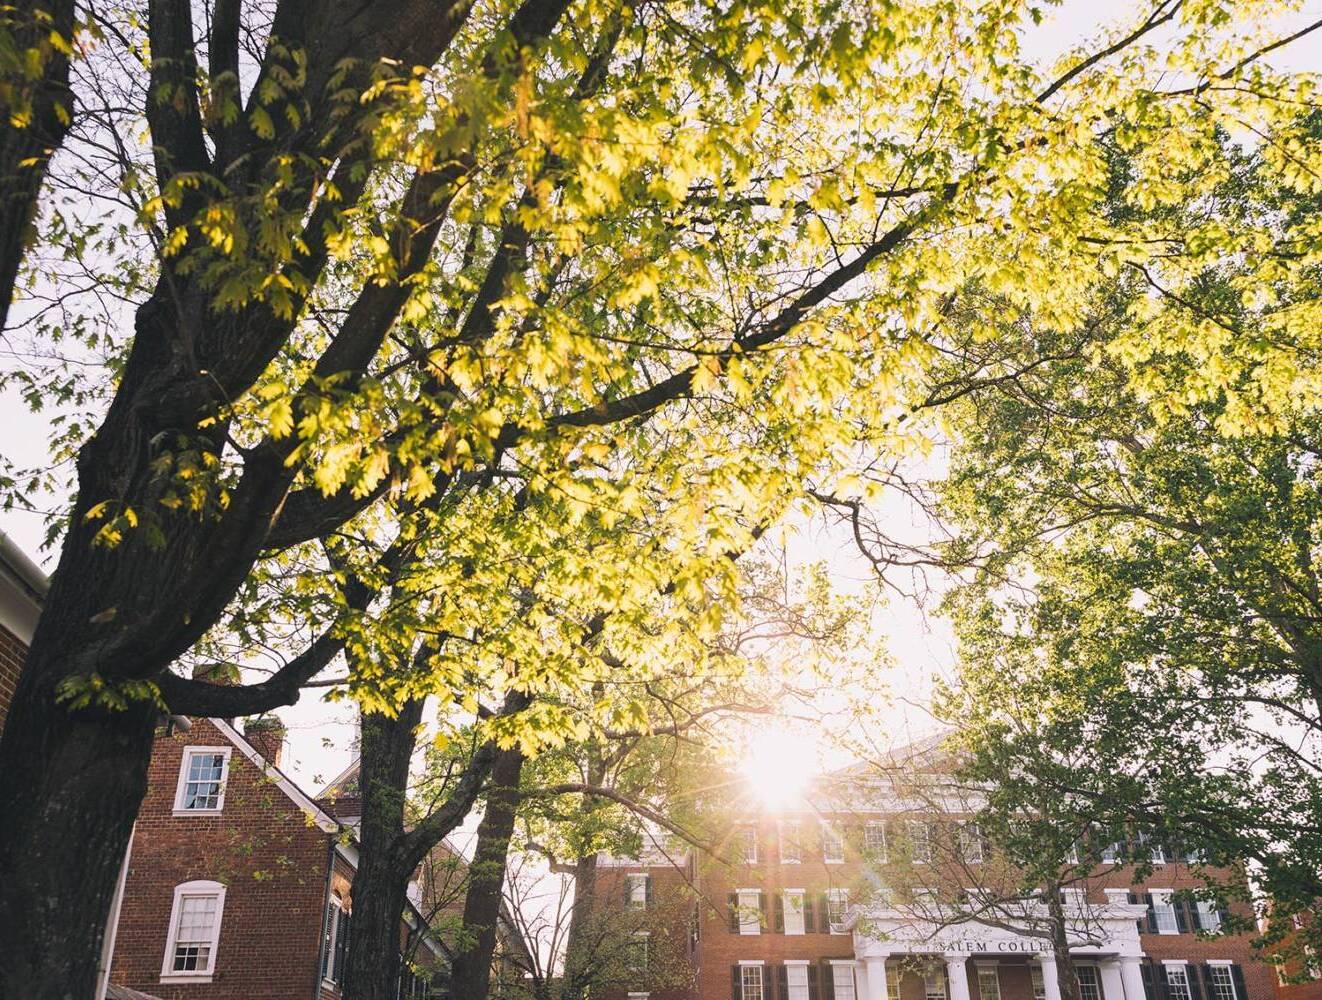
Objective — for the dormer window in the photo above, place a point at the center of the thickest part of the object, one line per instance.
(203, 773)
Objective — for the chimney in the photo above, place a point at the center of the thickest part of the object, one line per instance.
(267, 735)
(216, 673)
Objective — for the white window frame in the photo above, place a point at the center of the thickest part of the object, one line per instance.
(993, 970)
(1095, 984)
(637, 880)
(198, 888)
(875, 845)
(837, 902)
(1222, 964)
(796, 990)
(970, 843)
(792, 902)
(182, 784)
(934, 983)
(1163, 901)
(750, 914)
(1181, 967)
(794, 842)
(761, 984)
(637, 938)
(1037, 980)
(892, 981)
(748, 849)
(831, 835)
(842, 971)
(1074, 897)
(920, 841)
(1208, 913)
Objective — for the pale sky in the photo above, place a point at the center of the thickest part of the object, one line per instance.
(920, 644)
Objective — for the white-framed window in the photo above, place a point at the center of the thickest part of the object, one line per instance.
(920, 841)
(1156, 851)
(748, 844)
(842, 980)
(1163, 907)
(790, 852)
(750, 979)
(194, 935)
(1039, 982)
(1209, 916)
(833, 845)
(332, 945)
(1074, 897)
(970, 843)
(796, 980)
(203, 773)
(837, 901)
(1110, 852)
(934, 983)
(1177, 981)
(989, 983)
(892, 981)
(638, 944)
(794, 912)
(1222, 981)
(637, 890)
(874, 839)
(1090, 988)
(750, 911)
(1072, 856)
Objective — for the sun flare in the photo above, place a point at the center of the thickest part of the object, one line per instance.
(777, 767)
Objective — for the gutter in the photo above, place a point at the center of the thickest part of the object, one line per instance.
(33, 580)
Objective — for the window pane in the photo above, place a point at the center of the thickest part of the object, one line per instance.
(193, 933)
(874, 839)
(752, 982)
(989, 984)
(796, 977)
(1177, 982)
(837, 901)
(794, 913)
(833, 848)
(750, 913)
(1089, 988)
(1165, 913)
(789, 843)
(1039, 982)
(1223, 986)
(843, 977)
(203, 780)
(934, 985)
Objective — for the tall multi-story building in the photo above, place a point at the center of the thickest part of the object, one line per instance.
(800, 903)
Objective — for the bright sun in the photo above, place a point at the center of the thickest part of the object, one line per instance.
(777, 766)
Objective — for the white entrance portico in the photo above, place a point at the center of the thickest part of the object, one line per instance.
(1104, 935)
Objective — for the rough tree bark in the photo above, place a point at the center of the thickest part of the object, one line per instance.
(71, 782)
(471, 978)
(34, 120)
(1066, 975)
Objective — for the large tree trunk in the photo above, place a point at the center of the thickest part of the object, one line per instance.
(472, 967)
(381, 882)
(578, 949)
(71, 783)
(46, 104)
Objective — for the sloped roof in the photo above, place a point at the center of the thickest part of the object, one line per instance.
(114, 992)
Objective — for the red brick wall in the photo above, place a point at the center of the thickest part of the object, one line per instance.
(668, 921)
(720, 948)
(12, 653)
(262, 847)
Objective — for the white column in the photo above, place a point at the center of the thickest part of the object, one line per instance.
(874, 971)
(1131, 974)
(957, 968)
(1050, 978)
(1113, 987)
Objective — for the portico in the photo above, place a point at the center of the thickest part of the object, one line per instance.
(1104, 938)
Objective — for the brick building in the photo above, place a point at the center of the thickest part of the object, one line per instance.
(236, 883)
(802, 905)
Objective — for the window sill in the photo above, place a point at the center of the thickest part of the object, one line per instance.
(184, 977)
(197, 812)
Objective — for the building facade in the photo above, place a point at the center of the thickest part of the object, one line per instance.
(236, 883)
(802, 904)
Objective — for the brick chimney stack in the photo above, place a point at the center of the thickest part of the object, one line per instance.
(267, 735)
